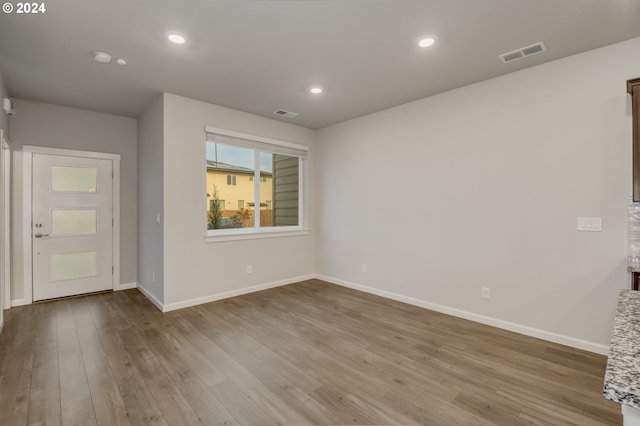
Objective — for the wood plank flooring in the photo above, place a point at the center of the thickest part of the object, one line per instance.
(306, 353)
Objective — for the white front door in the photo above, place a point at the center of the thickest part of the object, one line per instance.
(72, 225)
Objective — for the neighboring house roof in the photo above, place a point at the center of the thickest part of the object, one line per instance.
(226, 167)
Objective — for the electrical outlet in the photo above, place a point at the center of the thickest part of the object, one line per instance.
(486, 293)
(249, 269)
(364, 267)
(153, 277)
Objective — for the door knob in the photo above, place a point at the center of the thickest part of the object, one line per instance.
(39, 235)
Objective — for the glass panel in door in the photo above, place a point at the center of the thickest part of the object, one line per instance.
(68, 266)
(74, 179)
(74, 221)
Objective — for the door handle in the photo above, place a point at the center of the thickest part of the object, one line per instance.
(39, 235)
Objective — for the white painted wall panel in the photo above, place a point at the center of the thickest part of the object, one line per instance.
(195, 269)
(151, 200)
(481, 186)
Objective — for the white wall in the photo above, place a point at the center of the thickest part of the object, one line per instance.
(197, 270)
(150, 200)
(56, 126)
(491, 178)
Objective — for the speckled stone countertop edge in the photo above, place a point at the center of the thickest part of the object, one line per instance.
(622, 377)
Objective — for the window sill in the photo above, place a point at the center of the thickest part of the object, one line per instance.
(235, 235)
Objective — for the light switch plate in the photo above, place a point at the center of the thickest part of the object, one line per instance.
(591, 224)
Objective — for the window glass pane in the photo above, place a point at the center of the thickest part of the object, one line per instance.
(281, 195)
(232, 187)
(228, 172)
(74, 221)
(67, 266)
(74, 179)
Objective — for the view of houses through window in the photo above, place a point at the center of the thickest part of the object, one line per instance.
(236, 199)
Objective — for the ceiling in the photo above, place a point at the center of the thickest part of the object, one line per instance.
(263, 55)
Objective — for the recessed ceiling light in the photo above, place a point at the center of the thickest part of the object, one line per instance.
(121, 62)
(426, 42)
(102, 57)
(316, 90)
(177, 38)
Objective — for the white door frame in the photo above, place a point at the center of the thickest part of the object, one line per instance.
(27, 156)
(6, 223)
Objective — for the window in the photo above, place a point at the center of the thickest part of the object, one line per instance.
(272, 195)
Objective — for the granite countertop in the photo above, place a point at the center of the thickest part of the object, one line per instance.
(622, 378)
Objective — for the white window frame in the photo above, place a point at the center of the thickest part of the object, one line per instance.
(234, 234)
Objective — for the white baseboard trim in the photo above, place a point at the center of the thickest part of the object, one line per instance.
(233, 293)
(18, 302)
(151, 297)
(125, 286)
(505, 325)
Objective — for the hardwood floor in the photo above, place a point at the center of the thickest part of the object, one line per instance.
(307, 353)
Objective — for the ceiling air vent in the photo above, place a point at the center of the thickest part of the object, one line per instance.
(285, 113)
(522, 52)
